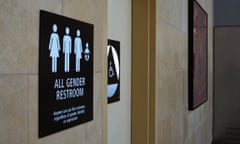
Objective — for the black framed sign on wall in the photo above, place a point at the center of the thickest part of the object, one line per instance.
(198, 55)
(113, 54)
(65, 73)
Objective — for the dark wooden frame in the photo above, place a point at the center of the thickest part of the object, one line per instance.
(198, 55)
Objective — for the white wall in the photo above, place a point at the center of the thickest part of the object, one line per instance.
(19, 73)
(119, 114)
(227, 69)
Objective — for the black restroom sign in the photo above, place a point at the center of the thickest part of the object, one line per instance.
(65, 73)
(113, 88)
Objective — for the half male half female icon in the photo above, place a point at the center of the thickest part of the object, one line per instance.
(54, 47)
(67, 49)
(78, 51)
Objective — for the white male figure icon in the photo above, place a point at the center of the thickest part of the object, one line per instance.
(67, 49)
(78, 50)
(54, 47)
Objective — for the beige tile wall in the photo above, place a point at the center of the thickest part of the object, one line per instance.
(19, 26)
(177, 125)
(19, 39)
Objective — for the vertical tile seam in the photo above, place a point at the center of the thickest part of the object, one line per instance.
(28, 110)
(18, 74)
(148, 72)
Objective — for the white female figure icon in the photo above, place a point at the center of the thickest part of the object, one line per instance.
(54, 47)
(78, 50)
(67, 49)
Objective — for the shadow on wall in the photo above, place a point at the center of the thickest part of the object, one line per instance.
(226, 81)
(231, 136)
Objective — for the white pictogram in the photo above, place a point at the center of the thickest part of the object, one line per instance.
(87, 52)
(111, 72)
(54, 47)
(78, 51)
(67, 49)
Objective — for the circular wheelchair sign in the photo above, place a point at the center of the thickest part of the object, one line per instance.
(113, 71)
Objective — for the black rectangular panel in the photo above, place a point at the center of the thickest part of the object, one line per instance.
(65, 73)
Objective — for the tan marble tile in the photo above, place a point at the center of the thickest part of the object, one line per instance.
(171, 47)
(194, 120)
(181, 97)
(96, 127)
(185, 126)
(173, 12)
(166, 103)
(19, 34)
(170, 92)
(33, 106)
(177, 128)
(165, 132)
(13, 109)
